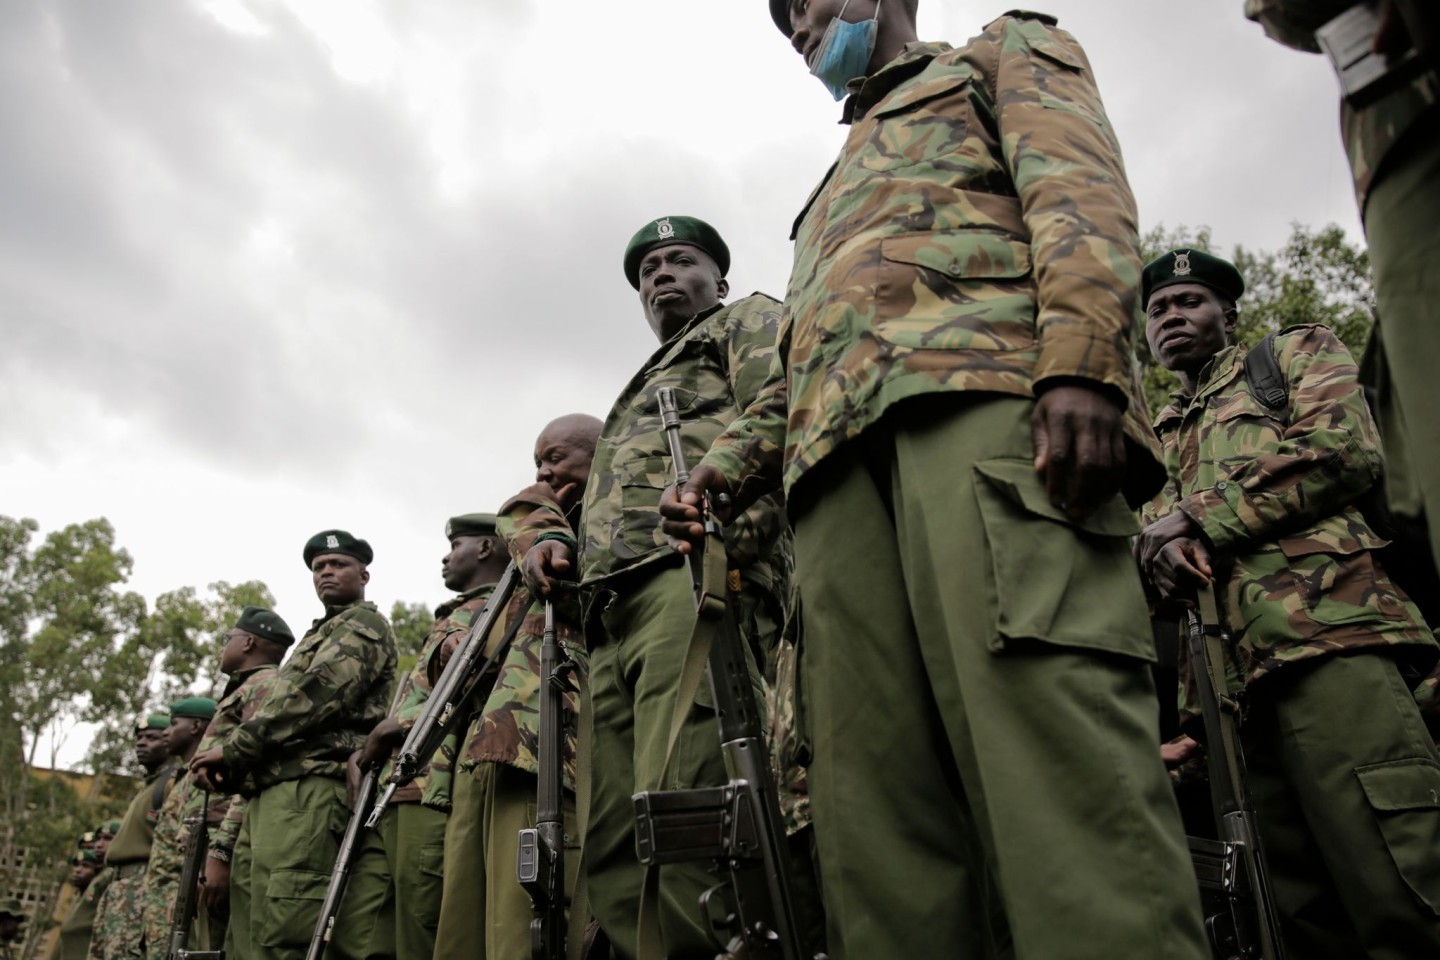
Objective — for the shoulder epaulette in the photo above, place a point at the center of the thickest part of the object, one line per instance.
(1044, 18)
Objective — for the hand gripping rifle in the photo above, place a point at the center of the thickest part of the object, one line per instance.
(1234, 867)
(187, 898)
(739, 824)
(540, 861)
(451, 692)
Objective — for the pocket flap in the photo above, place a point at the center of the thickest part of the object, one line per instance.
(646, 472)
(1398, 785)
(297, 885)
(919, 93)
(1017, 480)
(961, 254)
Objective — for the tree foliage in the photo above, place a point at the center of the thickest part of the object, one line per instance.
(411, 622)
(1318, 276)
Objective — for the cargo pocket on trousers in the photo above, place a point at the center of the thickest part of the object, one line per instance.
(1405, 795)
(293, 906)
(1054, 580)
(428, 884)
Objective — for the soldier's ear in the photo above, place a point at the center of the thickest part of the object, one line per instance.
(364, 574)
(722, 288)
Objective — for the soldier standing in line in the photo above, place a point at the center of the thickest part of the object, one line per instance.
(486, 913)
(119, 932)
(638, 596)
(288, 759)
(12, 917)
(412, 831)
(1262, 503)
(1393, 142)
(188, 719)
(74, 940)
(957, 425)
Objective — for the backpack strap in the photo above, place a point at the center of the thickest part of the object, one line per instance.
(1266, 379)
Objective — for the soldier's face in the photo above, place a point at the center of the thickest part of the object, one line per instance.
(462, 563)
(102, 844)
(232, 654)
(150, 747)
(338, 578)
(183, 732)
(83, 873)
(676, 283)
(1187, 324)
(564, 464)
(810, 18)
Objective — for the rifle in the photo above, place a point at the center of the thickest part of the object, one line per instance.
(739, 824)
(1247, 928)
(540, 861)
(192, 875)
(452, 690)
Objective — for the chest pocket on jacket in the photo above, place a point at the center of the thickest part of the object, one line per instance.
(1242, 429)
(924, 126)
(955, 290)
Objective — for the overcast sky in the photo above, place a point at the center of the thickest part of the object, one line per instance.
(272, 266)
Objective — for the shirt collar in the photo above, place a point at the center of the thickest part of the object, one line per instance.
(865, 92)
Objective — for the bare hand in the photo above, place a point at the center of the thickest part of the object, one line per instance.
(548, 561)
(215, 886)
(1079, 447)
(1177, 751)
(684, 522)
(381, 743)
(1172, 555)
(208, 769)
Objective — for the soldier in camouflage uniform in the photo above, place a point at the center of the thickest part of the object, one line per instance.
(73, 943)
(640, 608)
(956, 422)
(288, 759)
(486, 912)
(413, 830)
(188, 721)
(1262, 503)
(119, 932)
(1394, 148)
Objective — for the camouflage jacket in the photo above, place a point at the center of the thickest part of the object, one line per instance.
(1274, 496)
(172, 833)
(507, 729)
(245, 689)
(331, 691)
(432, 786)
(1370, 132)
(976, 233)
(716, 365)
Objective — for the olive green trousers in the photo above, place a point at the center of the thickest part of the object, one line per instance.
(1346, 785)
(395, 884)
(484, 912)
(986, 779)
(1400, 225)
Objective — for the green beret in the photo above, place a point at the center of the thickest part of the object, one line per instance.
(470, 525)
(780, 13)
(85, 856)
(668, 230)
(1191, 266)
(337, 541)
(265, 624)
(11, 907)
(194, 708)
(156, 721)
(112, 827)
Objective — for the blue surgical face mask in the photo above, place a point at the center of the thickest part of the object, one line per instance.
(845, 52)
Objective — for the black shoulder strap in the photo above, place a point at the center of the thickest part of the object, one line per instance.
(157, 792)
(1266, 379)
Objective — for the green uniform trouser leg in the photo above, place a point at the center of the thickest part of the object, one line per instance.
(484, 911)
(1400, 225)
(1346, 784)
(281, 868)
(634, 667)
(365, 923)
(414, 841)
(965, 779)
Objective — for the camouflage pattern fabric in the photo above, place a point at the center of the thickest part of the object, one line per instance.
(507, 729)
(331, 691)
(119, 932)
(716, 366)
(1274, 496)
(242, 696)
(788, 754)
(943, 252)
(1370, 132)
(432, 785)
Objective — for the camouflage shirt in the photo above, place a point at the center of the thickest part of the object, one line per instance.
(432, 785)
(507, 729)
(976, 233)
(1369, 132)
(716, 366)
(1274, 495)
(330, 693)
(243, 692)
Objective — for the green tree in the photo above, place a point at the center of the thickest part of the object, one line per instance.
(1318, 276)
(411, 622)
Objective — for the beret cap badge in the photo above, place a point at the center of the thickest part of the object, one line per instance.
(1182, 263)
(664, 229)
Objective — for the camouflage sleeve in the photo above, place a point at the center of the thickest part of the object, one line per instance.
(345, 668)
(227, 831)
(751, 451)
(528, 514)
(415, 687)
(1065, 162)
(1328, 455)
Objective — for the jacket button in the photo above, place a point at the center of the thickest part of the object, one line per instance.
(1221, 485)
